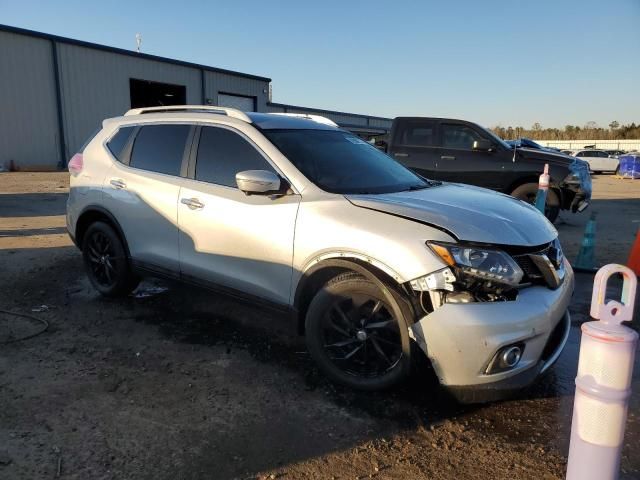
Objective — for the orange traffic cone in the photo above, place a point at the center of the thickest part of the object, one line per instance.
(634, 257)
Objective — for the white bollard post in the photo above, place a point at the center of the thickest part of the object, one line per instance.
(603, 383)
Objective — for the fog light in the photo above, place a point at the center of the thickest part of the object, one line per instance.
(506, 358)
(511, 357)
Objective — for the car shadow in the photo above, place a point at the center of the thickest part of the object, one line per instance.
(33, 204)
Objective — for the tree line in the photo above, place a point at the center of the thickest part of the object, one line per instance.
(590, 131)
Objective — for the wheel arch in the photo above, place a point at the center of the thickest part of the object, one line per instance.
(325, 269)
(96, 213)
(533, 179)
(521, 181)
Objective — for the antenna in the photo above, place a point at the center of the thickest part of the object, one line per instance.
(138, 41)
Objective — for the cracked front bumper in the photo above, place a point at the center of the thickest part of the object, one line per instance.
(461, 339)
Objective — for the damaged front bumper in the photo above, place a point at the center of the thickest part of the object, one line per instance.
(578, 185)
(462, 339)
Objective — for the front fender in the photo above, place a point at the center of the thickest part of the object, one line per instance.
(350, 255)
(336, 229)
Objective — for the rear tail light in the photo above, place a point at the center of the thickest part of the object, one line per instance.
(75, 164)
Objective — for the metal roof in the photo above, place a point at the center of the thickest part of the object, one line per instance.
(321, 111)
(122, 51)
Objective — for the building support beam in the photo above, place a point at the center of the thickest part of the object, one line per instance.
(62, 145)
(203, 87)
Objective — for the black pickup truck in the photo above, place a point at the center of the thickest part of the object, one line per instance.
(464, 152)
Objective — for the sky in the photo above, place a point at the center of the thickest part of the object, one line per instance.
(496, 62)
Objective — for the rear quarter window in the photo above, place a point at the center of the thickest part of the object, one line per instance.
(119, 141)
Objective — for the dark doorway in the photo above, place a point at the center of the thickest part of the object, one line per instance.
(145, 93)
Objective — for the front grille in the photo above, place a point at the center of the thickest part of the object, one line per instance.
(530, 269)
(542, 267)
(532, 272)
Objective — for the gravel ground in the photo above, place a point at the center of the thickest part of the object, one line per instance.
(178, 383)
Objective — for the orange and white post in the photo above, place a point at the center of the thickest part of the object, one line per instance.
(603, 383)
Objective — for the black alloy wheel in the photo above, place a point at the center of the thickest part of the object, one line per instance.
(355, 336)
(361, 336)
(106, 261)
(102, 259)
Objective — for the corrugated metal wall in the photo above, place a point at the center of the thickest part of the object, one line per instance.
(341, 118)
(95, 86)
(274, 109)
(380, 122)
(216, 82)
(28, 118)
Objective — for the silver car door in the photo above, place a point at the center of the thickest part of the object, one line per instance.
(142, 195)
(226, 237)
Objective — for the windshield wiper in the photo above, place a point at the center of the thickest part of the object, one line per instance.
(413, 188)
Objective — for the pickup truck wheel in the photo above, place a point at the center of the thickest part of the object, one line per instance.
(354, 335)
(106, 261)
(528, 192)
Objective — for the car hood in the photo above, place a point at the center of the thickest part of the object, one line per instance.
(469, 213)
(557, 158)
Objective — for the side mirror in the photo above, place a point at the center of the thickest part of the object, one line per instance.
(258, 182)
(482, 145)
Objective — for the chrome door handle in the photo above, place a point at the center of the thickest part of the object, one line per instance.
(447, 157)
(400, 154)
(119, 184)
(192, 203)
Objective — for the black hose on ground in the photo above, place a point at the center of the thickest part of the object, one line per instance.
(31, 335)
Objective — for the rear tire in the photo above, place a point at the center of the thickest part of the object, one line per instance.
(106, 262)
(528, 192)
(355, 335)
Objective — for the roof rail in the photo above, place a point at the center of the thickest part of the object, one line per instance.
(229, 112)
(308, 116)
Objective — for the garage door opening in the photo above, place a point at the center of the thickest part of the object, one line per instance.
(145, 93)
(243, 103)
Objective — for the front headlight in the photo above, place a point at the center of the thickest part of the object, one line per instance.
(483, 263)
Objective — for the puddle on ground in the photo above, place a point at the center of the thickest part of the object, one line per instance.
(146, 291)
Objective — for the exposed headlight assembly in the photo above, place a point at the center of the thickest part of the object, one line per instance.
(484, 263)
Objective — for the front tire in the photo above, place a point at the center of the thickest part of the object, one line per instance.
(528, 192)
(106, 261)
(357, 337)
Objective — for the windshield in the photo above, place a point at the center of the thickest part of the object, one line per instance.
(339, 162)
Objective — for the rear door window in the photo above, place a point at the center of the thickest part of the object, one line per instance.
(160, 148)
(458, 136)
(417, 134)
(222, 153)
(119, 141)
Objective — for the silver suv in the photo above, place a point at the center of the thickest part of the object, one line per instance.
(296, 213)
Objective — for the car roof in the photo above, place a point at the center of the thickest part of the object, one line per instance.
(263, 121)
(273, 121)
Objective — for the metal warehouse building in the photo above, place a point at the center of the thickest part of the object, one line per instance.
(55, 91)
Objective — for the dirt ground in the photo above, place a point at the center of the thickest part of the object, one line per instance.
(178, 383)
